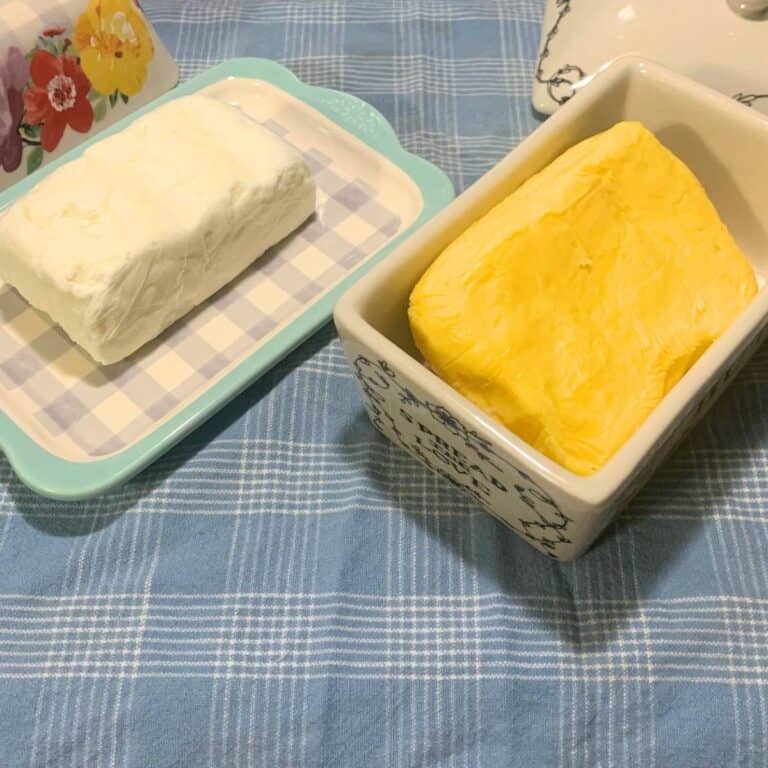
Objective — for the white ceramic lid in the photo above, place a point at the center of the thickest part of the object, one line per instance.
(721, 43)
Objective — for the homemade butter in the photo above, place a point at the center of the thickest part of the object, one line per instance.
(569, 310)
(146, 224)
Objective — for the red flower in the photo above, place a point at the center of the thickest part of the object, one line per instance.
(54, 31)
(57, 97)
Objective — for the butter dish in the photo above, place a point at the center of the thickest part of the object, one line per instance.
(72, 428)
(69, 69)
(720, 43)
(558, 512)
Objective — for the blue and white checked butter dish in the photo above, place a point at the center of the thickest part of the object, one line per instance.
(72, 428)
(68, 70)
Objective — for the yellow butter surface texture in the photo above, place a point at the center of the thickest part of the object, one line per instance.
(570, 309)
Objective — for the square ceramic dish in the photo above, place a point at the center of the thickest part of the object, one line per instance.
(72, 428)
(558, 512)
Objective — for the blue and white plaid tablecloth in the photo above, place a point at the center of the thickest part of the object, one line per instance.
(287, 589)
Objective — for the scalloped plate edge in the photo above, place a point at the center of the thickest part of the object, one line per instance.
(58, 478)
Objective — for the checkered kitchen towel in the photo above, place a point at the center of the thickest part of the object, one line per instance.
(287, 589)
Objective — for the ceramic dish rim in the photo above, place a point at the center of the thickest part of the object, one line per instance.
(62, 479)
(604, 486)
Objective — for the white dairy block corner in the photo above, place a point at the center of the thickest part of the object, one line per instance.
(118, 244)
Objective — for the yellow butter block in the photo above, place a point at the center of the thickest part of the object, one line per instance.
(569, 310)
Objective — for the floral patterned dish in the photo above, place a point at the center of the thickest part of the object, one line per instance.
(69, 69)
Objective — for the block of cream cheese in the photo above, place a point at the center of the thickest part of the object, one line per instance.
(146, 224)
(570, 309)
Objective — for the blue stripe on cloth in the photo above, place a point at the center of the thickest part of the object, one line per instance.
(287, 589)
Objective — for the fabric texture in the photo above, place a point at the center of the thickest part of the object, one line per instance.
(286, 588)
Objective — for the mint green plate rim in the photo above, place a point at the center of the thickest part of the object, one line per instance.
(57, 478)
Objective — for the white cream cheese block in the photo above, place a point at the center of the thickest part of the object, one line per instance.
(121, 242)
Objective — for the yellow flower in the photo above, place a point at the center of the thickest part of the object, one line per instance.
(115, 46)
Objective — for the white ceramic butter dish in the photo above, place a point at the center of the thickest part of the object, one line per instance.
(721, 43)
(558, 512)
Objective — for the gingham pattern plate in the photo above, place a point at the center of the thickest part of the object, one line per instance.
(79, 411)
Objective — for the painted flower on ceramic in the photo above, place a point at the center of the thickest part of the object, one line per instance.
(57, 98)
(115, 46)
(71, 79)
(14, 73)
